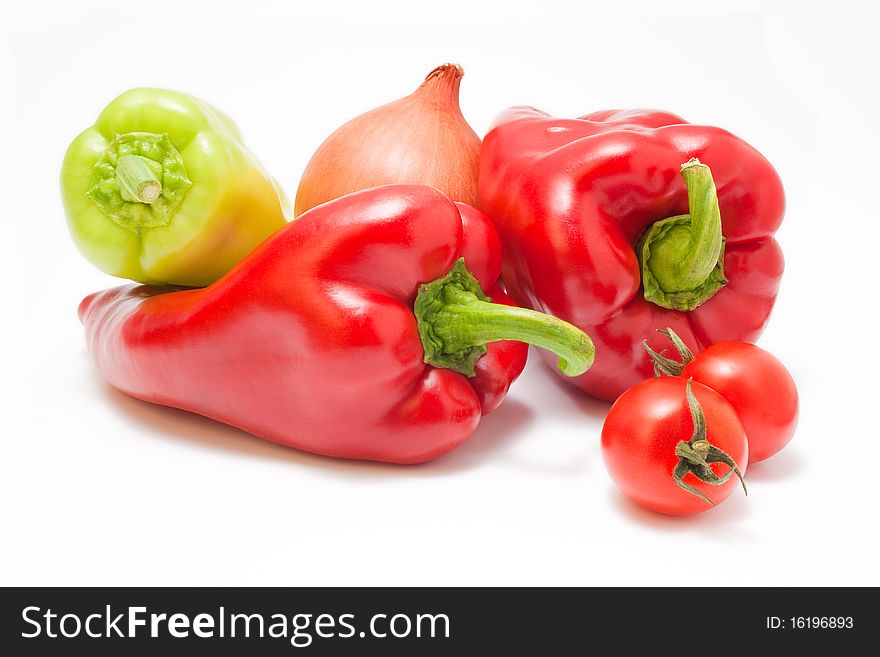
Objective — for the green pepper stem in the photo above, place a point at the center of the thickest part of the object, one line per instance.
(137, 180)
(682, 256)
(125, 183)
(456, 320)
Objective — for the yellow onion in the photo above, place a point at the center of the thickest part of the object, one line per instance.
(420, 139)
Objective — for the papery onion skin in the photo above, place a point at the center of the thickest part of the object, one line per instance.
(422, 139)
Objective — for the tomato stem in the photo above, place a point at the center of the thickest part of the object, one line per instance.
(668, 366)
(696, 454)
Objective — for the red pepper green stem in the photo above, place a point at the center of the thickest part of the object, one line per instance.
(682, 257)
(456, 320)
(137, 181)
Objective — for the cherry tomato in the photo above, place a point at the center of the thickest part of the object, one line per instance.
(642, 446)
(758, 387)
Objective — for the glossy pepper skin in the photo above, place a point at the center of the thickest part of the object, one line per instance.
(312, 340)
(572, 198)
(161, 189)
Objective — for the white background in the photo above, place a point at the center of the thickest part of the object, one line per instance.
(97, 488)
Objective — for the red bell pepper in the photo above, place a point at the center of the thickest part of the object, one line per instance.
(320, 339)
(599, 229)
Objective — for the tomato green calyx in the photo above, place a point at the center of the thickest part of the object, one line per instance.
(456, 320)
(696, 455)
(668, 366)
(682, 257)
(139, 181)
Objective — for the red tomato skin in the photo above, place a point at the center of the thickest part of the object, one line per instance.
(758, 387)
(640, 434)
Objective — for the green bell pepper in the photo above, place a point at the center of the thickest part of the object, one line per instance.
(162, 190)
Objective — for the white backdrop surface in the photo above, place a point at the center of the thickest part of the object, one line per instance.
(98, 488)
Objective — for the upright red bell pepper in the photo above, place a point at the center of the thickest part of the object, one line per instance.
(599, 229)
(355, 331)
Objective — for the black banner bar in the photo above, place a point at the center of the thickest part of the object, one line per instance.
(427, 621)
